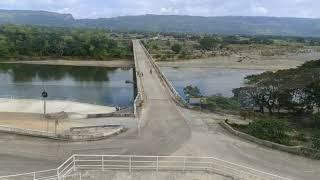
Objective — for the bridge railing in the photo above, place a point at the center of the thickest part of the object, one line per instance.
(78, 163)
(140, 98)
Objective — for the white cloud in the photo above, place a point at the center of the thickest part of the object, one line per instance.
(108, 8)
(169, 10)
(259, 10)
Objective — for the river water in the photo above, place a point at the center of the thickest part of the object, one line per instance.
(210, 81)
(106, 86)
(95, 85)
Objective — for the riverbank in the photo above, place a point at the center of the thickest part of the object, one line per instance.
(112, 63)
(271, 63)
(28, 114)
(53, 106)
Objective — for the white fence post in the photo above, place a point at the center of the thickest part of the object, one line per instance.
(102, 162)
(34, 176)
(157, 164)
(130, 168)
(184, 163)
(58, 176)
(74, 162)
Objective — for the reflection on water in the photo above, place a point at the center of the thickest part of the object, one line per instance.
(210, 81)
(105, 86)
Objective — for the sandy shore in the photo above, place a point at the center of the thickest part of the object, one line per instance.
(36, 106)
(111, 63)
(233, 62)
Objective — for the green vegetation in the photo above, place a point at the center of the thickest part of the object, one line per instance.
(25, 42)
(316, 140)
(176, 48)
(183, 46)
(221, 103)
(271, 129)
(293, 94)
(294, 90)
(212, 103)
(209, 42)
(192, 91)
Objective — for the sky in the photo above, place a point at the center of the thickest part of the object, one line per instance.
(113, 8)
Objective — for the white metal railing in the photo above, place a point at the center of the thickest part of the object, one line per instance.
(130, 163)
(140, 98)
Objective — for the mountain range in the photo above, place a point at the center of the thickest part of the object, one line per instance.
(228, 25)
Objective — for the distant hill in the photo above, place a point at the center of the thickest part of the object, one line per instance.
(42, 18)
(172, 23)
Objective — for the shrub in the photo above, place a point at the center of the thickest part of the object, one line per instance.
(176, 48)
(316, 120)
(275, 130)
(301, 137)
(316, 140)
(220, 102)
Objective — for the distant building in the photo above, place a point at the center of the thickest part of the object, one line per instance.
(197, 101)
(114, 35)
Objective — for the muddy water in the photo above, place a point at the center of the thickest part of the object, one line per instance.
(210, 81)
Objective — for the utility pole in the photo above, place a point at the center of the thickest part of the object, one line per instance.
(44, 95)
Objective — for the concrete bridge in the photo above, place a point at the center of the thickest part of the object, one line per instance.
(165, 129)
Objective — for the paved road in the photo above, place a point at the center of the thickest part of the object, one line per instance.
(213, 140)
(164, 130)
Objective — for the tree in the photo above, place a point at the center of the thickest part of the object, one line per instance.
(208, 43)
(176, 48)
(192, 91)
(312, 92)
(29, 41)
(4, 47)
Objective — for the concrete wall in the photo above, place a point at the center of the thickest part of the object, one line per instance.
(111, 115)
(146, 175)
(65, 137)
(298, 150)
(140, 95)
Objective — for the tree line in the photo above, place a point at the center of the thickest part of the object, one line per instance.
(18, 42)
(293, 90)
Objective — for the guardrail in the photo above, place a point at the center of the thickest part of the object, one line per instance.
(78, 163)
(140, 98)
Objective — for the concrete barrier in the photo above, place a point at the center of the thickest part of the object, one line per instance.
(298, 150)
(140, 98)
(68, 136)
